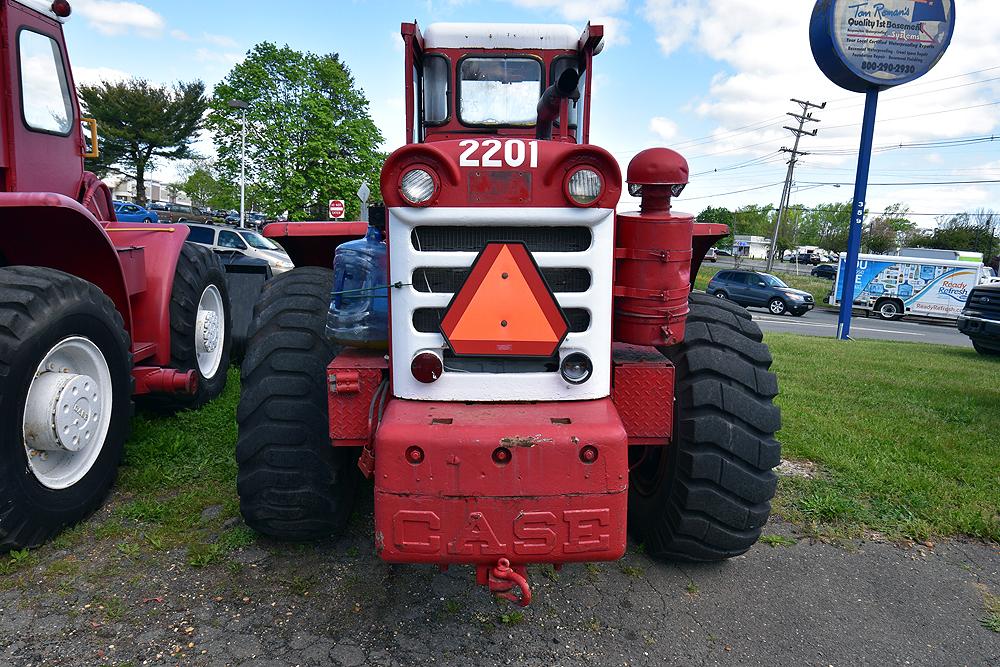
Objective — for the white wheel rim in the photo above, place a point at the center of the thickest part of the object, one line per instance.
(777, 307)
(889, 310)
(209, 332)
(67, 412)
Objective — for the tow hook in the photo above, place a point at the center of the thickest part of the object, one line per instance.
(503, 580)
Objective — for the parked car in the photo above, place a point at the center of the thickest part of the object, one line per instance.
(712, 255)
(827, 271)
(244, 241)
(722, 252)
(129, 212)
(180, 213)
(980, 319)
(762, 290)
(807, 258)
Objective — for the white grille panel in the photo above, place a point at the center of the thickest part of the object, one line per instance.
(462, 386)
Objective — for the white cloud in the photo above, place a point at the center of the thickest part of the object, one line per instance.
(94, 75)
(664, 128)
(180, 35)
(115, 18)
(598, 12)
(223, 41)
(220, 57)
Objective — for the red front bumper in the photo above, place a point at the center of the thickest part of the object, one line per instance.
(470, 483)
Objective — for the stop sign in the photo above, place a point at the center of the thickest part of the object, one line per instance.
(336, 208)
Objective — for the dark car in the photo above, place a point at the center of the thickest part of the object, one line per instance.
(169, 212)
(807, 258)
(827, 271)
(750, 288)
(980, 319)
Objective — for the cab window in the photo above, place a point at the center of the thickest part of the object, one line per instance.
(499, 91)
(436, 89)
(45, 100)
(229, 239)
(559, 66)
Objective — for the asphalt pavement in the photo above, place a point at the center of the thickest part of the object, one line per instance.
(821, 322)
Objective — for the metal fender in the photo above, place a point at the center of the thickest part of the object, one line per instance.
(161, 246)
(52, 230)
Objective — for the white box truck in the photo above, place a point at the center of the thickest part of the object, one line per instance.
(892, 286)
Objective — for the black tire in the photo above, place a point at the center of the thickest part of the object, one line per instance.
(197, 269)
(889, 309)
(707, 496)
(39, 308)
(777, 307)
(293, 485)
(984, 350)
(148, 220)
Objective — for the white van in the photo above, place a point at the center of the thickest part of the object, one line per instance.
(245, 241)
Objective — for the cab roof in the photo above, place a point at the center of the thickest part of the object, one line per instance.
(42, 7)
(501, 36)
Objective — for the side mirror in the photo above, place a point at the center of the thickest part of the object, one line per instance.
(761, 283)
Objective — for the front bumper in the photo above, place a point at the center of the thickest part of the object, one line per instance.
(533, 483)
(979, 327)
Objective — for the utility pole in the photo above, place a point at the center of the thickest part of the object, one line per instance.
(803, 118)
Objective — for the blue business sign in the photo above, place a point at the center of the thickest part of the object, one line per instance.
(865, 45)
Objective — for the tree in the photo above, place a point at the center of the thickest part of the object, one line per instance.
(201, 184)
(720, 216)
(976, 232)
(141, 123)
(309, 135)
(831, 223)
(886, 231)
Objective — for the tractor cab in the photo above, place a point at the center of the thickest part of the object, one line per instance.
(487, 79)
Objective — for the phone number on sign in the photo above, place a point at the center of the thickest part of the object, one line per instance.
(869, 66)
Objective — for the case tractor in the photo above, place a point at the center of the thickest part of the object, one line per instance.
(93, 312)
(524, 373)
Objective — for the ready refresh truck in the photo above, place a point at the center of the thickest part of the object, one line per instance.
(892, 286)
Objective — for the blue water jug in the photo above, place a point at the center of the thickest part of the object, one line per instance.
(359, 302)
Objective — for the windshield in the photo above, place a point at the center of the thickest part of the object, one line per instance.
(772, 281)
(499, 91)
(257, 241)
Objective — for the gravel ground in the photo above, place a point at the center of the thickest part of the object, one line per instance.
(334, 603)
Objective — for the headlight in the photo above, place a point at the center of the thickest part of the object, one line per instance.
(796, 297)
(281, 264)
(584, 186)
(417, 186)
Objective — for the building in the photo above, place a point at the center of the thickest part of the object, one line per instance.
(751, 247)
(123, 189)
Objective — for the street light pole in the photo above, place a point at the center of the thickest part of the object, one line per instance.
(242, 106)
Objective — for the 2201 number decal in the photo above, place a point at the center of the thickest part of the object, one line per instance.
(496, 153)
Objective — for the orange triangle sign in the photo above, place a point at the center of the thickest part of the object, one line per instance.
(504, 307)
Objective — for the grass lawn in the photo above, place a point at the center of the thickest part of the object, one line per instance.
(905, 436)
(818, 287)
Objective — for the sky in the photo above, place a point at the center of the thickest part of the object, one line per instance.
(712, 79)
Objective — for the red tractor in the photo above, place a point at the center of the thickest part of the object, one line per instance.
(542, 378)
(92, 311)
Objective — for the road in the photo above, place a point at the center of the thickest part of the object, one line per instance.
(822, 322)
(798, 603)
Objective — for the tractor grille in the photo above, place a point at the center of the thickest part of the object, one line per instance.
(574, 251)
(474, 239)
(451, 280)
(428, 320)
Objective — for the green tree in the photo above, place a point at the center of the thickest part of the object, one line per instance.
(201, 184)
(888, 230)
(310, 137)
(719, 216)
(976, 232)
(140, 123)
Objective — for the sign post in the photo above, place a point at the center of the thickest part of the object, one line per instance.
(363, 193)
(337, 209)
(867, 47)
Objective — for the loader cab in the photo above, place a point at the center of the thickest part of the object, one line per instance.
(486, 79)
(40, 123)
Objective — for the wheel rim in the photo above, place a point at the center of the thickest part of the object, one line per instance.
(889, 310)
(720, 295)
(209, 334)
(67, 412)
(777, 307)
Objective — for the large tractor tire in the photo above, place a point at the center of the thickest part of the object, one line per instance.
(65, 403)
(200, 328)
(293, 485)
(707, 495)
